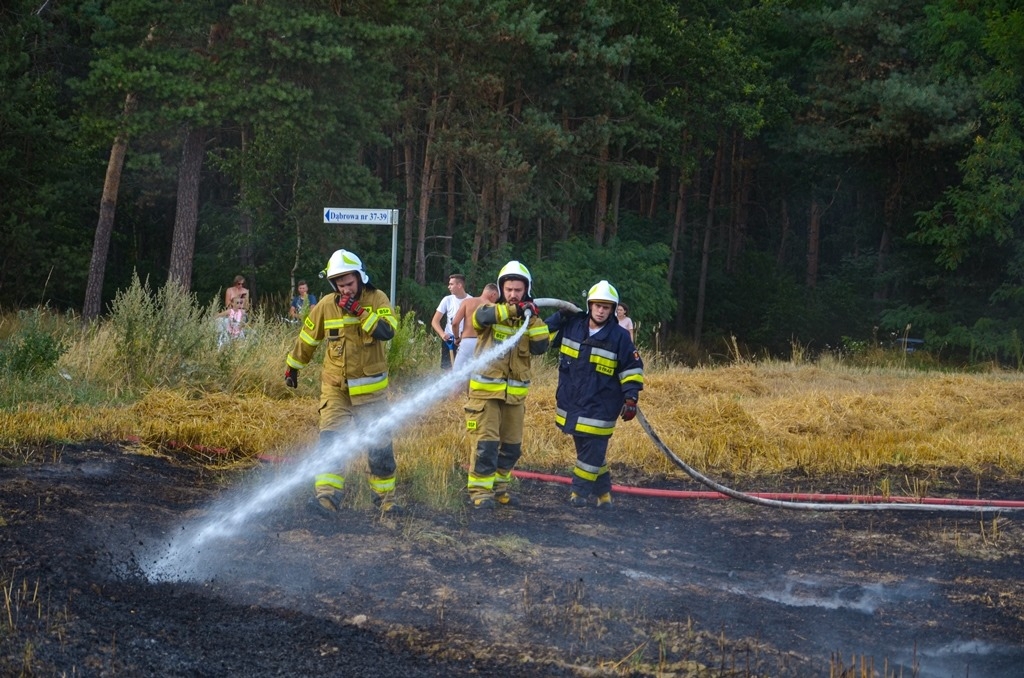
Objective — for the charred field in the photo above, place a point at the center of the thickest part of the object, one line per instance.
(652, 587)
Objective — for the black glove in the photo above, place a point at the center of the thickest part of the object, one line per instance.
(525, 306)
(291, 377)
(350, 304)
(628, 409)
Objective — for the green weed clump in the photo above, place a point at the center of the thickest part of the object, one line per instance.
(37, 341)
(413, 352)
(161, 338)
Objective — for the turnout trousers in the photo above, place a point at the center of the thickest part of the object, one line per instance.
(496, 435)
(338, 415)
(590, 476)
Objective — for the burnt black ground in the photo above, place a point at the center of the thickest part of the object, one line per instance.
(653, 585)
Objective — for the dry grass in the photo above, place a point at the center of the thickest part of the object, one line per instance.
(746, 419)
(151, 374)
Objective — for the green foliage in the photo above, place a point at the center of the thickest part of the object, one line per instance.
(158, 334)
(986, 339)
(35, 346)
(637, 271)
(413, 351)
(45, 173)
(900, 121)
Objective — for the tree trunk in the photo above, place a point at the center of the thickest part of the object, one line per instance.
(601, 197)
(780, 256)
(186, 214)
(410, 204)
(616, 197)
(678, 230)
(813, 242)
(247, 257)
(741, 208)
(504, 220)
(298, 231)
(540, 238)
(428, 180)
(449, 224)
(428, 183)
(705, 254)
(734, 202)
(893, 198)
(105, 224)
(480, 233)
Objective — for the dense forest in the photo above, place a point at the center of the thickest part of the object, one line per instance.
(778, 171)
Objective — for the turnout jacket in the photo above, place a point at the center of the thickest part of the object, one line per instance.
(596, 374)
(356, 358)
(508, 377)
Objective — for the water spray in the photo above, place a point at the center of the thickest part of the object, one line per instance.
(178, 561)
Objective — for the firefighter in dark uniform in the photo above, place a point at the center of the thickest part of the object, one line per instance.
(356, 321)
(496, 407)
(600, 375)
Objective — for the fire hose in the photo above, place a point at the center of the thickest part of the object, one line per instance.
(793, 501)
(804, 502)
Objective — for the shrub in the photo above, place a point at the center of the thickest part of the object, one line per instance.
(158, 334)
(35, 346)
(413, 349)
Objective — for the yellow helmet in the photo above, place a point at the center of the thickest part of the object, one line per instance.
(516, 271)
(342, 262)
(603, 291)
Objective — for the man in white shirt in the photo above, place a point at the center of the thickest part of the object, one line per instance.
(446, 310)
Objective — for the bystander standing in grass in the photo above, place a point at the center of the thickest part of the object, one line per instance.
(238, 289)
(625, 322)
(600, 375)
(302, 302)
(443, 316)
(232, 322)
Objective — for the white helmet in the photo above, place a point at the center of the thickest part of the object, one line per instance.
(516, 271)
(342, 262)
(603, 291)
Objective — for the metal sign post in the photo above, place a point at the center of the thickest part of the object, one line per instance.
(360, 216)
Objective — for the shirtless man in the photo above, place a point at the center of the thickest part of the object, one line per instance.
(466, 341)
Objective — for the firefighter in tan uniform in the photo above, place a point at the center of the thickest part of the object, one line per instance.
(497, 394)
(355, 321)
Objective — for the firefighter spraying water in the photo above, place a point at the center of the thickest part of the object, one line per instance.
(193, 554)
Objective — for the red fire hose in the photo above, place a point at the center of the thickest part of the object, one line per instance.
(782, 496)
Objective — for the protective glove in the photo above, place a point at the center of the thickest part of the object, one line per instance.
(525, 306)
(628, 409)
(291, 377)
(350, 304)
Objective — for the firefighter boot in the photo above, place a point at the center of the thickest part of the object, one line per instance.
(388, 506)
(604, 501)
(326, 505)
(577, 500)
(480, 497)
(384, 496)
(502, 481)
(481, 479)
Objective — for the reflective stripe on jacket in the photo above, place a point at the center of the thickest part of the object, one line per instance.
(507, 377)
(356, 352)
(596, 374)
